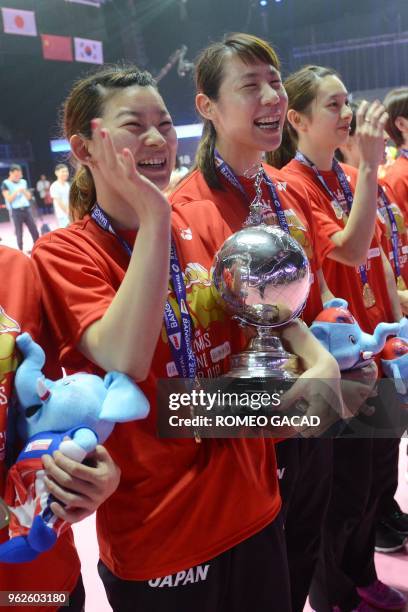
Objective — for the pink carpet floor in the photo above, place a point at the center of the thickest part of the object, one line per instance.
(392, 569)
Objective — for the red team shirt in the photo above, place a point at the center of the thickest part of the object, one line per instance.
(344, 281)
(397, 179)
(386, 242)
(395, 183)
(178, 503)
(58, 569)
(231, 205)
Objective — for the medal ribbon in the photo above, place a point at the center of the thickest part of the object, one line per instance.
(404, 153)
(346, 189)
(180, 336)
(231, 177)
(394, 229)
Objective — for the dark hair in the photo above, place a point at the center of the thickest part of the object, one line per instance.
(14, 167)
(396, 105)
(85, 102)
(353, 124)
(209, 75)
(60, 167)
(302, 87)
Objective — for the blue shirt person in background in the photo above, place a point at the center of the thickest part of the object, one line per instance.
(17, 197)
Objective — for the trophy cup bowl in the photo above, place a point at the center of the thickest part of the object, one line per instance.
(261, 276)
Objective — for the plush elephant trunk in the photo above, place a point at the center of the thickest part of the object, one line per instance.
(376, 342)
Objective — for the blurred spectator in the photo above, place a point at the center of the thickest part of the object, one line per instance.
(43, 190)
(60, 194)
(17, 197)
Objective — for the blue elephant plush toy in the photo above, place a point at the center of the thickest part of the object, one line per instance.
(82, 407)
(394, 361)
(341, 335)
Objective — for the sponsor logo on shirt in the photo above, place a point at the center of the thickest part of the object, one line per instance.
(281, 185)
(195, 574)
(280, 472)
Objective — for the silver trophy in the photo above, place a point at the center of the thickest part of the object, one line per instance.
(261, 275)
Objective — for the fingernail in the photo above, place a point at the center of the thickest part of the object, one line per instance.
(103, 133)
(45, 459)
(94, 124)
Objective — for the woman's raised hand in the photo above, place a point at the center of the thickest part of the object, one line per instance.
(371, 120)
(119, 170)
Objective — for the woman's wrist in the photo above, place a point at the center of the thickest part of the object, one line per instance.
(368, 169)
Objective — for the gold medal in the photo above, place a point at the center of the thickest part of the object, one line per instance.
(368, 296)
(401, 286)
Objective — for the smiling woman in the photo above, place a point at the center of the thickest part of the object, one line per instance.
(242, 100)
(106, 290)
(344, 204)
(135, 115)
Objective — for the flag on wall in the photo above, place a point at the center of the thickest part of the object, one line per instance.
(57, 47)
(17, 21)
(96, 3)
(89, 51)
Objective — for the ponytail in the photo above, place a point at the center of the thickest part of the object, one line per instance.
(287, 150)
(82, 194)
(204, 159)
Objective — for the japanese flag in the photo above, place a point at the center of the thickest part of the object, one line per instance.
(16, 21)
(90, 51)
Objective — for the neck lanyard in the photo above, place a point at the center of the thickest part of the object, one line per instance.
(394, 237)
(232, 178)
(404, 153)
(255, 218)
(180, 336)
(368, 295)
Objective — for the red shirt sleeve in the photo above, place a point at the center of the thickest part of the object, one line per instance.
(76, 291)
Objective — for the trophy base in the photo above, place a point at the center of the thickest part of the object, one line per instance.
(252, 364)
(265, 358)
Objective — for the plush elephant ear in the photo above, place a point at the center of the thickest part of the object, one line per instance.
(321, 334)
(335, 303)
(124, 400)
